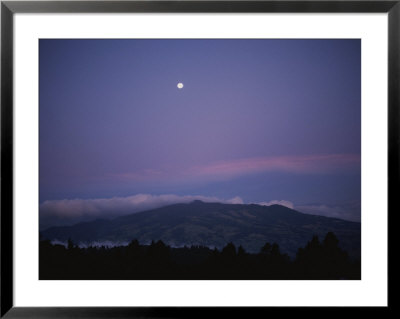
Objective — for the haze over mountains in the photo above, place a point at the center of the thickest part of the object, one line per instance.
(214, 225)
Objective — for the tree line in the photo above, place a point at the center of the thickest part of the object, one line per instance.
(317, 260)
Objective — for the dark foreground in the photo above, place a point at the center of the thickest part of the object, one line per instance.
(317, 260)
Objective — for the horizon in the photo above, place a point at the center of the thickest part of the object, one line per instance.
(148, 226)
(193, 201)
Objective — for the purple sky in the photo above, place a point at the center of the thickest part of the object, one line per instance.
(261, 120)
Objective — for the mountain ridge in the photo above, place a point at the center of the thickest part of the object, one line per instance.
(214, 225)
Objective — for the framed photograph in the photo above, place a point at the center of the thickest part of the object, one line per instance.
(159, 158)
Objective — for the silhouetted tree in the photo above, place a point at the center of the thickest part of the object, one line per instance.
(70, 244)
(266, 249)
(228, 253)
(334, 258)
(316, 260)
(275, 252)
(241, 252)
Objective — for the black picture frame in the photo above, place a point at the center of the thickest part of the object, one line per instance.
(9, 8)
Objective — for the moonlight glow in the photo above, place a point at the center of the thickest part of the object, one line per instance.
(179, 85)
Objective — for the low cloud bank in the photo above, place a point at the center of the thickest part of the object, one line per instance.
(70, 211)
(350, 211)
(278, 202)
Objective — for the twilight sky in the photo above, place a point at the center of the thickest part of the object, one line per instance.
(256, 121)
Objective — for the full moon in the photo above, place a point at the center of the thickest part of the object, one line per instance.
(179, 85)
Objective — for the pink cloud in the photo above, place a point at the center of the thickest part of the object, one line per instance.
(307, 164)
(295, 164)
